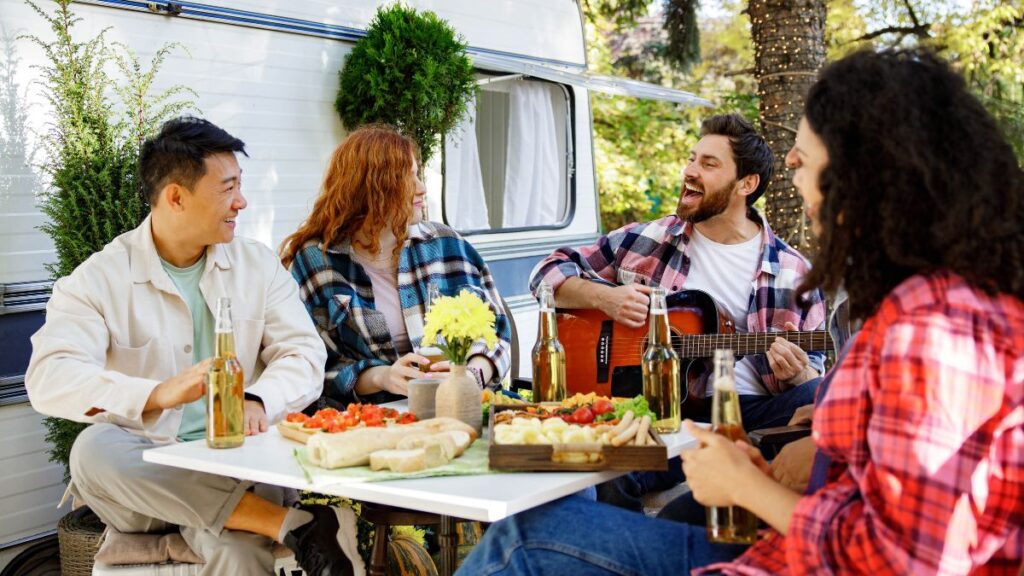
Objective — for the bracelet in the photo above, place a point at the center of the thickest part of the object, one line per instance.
(478, 374)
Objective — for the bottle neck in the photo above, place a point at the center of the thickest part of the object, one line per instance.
(224, 345)
(722, 377)
(547, 328)
(659, 331)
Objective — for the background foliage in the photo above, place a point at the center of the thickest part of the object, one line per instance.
(641, 146)
(410, 71)
(91, 150)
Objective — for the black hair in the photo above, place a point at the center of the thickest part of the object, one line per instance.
(178, 152)
(919, 178)
(749, 150)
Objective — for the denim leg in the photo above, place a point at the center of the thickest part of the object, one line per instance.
(628, 490)
(770, 411)
(624, 492)
(685, 509)
(658, 481)
(579, 537)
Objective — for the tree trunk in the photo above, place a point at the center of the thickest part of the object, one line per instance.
(789, 49)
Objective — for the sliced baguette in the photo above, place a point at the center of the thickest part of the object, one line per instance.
(399, 460)
(442, 443)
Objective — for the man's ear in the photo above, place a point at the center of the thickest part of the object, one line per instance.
(173, 196)
(748, 184)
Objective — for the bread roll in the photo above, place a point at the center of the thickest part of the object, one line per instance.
(442, 443)
(353, 447)
(442, 424)
(399, 460)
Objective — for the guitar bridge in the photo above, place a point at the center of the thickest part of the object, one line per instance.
(603, 351)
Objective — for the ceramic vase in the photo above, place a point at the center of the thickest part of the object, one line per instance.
(458, 396)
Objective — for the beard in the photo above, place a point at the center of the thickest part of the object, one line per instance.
(712, 203)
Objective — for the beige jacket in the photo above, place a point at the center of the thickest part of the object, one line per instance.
(116, 327)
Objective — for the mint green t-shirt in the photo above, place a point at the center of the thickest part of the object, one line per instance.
(193, 420)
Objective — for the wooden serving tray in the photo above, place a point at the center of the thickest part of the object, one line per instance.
(573, 457)
(296, 433)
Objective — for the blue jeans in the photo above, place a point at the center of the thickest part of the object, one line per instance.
(771, 411)
(581, 537)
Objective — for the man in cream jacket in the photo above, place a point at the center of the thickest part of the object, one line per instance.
(126, 346)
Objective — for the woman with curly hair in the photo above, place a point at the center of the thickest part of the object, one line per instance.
(919, 204)
(364, 260)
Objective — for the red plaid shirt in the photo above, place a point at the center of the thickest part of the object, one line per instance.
(924, 422)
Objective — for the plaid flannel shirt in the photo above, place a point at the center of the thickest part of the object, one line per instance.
(339, 296)
(924, 426)
(654, 253)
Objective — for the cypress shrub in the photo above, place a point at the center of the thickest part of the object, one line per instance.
(91, 148)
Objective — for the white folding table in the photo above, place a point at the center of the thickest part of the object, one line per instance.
(269, 458)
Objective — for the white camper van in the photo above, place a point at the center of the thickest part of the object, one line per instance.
(517, 179)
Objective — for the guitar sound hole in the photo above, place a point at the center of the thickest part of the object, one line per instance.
(627, 381)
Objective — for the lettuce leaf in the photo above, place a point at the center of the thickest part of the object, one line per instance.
(638, 405)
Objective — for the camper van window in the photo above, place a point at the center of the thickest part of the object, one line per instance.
(508, 166)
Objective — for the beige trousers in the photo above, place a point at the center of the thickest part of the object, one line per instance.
(132, 495)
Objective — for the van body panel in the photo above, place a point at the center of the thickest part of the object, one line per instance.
(266, 71)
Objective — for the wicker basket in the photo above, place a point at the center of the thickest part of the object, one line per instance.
(80, 533)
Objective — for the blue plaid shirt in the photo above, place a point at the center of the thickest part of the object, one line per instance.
(339, 296)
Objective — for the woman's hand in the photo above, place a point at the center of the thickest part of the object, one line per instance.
(719, 470)
(438, 369)
(396, 379)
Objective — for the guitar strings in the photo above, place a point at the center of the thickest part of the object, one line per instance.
(809, 339)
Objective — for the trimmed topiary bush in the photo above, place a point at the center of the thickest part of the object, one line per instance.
(411, 71)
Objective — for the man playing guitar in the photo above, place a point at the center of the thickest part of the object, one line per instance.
(718, 243)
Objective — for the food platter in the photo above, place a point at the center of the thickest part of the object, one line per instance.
(542, 437)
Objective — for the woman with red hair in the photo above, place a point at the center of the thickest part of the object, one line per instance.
(364, 260)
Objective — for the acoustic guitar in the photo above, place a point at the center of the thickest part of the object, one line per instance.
(603, 356)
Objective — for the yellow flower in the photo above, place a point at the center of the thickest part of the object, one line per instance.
(460, 321)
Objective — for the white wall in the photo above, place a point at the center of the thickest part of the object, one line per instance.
(273, 90)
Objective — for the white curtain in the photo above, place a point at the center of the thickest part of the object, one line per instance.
(531, 178)
(464, 201)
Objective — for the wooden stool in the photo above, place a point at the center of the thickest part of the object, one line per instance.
(383, 517)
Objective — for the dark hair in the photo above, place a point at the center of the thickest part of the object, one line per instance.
(749, 150)
(178, 152)
(919, 178)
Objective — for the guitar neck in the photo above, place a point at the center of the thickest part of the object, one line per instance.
(743, 344)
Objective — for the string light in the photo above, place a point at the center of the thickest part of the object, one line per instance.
(789, 48)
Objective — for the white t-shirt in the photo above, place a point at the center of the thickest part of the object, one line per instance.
(726, 272)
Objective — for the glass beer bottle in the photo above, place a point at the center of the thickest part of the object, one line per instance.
(728, 524)
(225, 396)
(433, 354)
(660, 366)
(548, 353)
